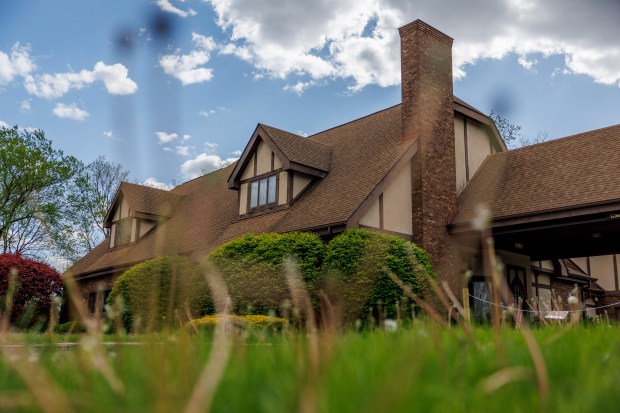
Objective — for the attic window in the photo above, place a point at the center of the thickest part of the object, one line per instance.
(123, 232)
(263, 191)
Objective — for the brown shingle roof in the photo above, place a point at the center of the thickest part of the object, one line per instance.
(299, 149)
(559, 174)
(362, 152)
(150, 200)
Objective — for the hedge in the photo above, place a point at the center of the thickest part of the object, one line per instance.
(253, 268)
(154, 293)
(208, 322)
(356, 261)
(37, 284)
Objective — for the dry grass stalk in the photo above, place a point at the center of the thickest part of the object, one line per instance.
(542, 376)
(92, 342)
(206, 386)
(303, 305)
(502, 377)
(425, 306)
(463, 320)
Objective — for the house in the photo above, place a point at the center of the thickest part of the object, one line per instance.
(423, 170)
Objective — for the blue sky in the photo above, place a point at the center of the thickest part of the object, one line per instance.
(171, 87)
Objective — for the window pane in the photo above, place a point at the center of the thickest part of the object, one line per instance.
(272, 190)
(254, 194)
(262, 193)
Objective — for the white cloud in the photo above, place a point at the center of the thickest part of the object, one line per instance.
(358, 39)
(50, 86)
(236, 153)
(166, 137)
(167, 6)
(154, 183)
(15, 63)
(179, 150)
(206, 113)
(182, 150)
(204, 163)
(25, 105)
(189, 68)
(528, 64)
(70, 112)
(299, 87)
(3, 124)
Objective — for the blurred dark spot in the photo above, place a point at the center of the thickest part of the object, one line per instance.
(124, 40)
(161, 26)
(503, 100)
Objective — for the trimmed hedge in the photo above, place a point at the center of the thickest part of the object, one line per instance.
(37, 284)
(252, 267)
(261, 321)
(154, 293)
(351, 268)
(356, 261)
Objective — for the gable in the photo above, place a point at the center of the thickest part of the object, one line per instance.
(281, 149)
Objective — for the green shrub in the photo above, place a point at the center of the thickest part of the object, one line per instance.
(261, 321)
(154, 293)
(356, 261)
(252, 267)
(69, 327)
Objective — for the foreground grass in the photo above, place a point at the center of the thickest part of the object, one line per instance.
(418, 368)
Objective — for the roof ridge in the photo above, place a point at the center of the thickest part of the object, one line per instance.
(562, 139)
(306, 138)
(146, 187)
(351, 121)
(201, 176)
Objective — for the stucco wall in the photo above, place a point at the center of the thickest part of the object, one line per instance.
(243, 199)
(602, 267)
(478, 145)
(371, 217)
(397, 203)
(145, 226)
(263, 159)
(459, 152)
(283, 188)
(249, 170)
(300, 182)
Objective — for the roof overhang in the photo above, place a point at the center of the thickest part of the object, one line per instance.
(585, 230)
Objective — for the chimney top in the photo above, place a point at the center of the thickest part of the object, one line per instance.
(425, 27)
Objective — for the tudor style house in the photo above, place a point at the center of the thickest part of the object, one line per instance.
(423, 170)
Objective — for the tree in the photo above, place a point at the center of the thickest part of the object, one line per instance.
(32, 180)
(512, 135)
(510, 132)
(36, 284)
(89, 196)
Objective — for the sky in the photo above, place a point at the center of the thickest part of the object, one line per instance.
(172, 88)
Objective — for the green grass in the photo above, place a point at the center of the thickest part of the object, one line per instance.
(418, 368)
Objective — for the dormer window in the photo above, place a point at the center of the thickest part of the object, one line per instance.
(122, 235)
(275, 169)
(263, 191)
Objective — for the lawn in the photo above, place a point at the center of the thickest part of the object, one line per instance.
(420, 367)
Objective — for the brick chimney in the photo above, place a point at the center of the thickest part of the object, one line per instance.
(428, 115)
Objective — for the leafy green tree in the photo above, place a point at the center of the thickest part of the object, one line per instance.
(33, 177)
(88, 198)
